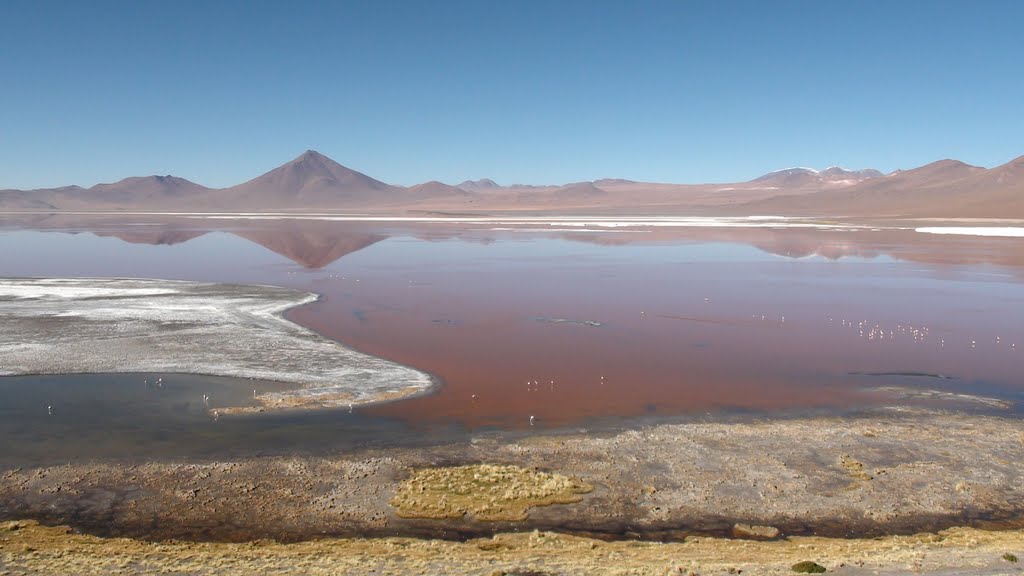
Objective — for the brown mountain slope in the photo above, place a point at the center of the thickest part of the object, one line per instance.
(995, 193)
(23, 200)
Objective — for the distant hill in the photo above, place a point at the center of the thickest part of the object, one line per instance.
(580, 190)
(481, 184)
(435, 189)
(168, 192)
(152, 192)
(941, 188)
(792, 178)
(25, 200)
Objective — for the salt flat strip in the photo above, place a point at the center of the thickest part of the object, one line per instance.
(564, 221)
(62, 326)
(998, 231)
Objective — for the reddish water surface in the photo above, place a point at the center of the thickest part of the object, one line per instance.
(681, 330)
(569, 326)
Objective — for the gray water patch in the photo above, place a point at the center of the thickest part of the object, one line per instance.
(74, 418)
(549, 320)
(56, 419)
(904, 375)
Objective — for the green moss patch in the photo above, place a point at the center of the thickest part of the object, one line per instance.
(808, 567)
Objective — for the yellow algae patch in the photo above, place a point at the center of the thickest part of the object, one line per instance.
(854, 468)
(291, 400)
(322, 398)
(485, 491)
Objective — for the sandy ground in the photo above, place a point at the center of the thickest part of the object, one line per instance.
(58, 326)
(27, 548)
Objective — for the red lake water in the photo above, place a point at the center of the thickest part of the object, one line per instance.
(570, 323)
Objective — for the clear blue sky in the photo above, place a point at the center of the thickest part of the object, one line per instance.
(533, 91)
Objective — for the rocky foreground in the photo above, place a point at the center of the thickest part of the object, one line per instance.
(782, 490)
(888, 472)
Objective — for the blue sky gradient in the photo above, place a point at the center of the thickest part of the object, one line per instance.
(530, 91)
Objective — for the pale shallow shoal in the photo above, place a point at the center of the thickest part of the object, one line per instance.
(65, 326)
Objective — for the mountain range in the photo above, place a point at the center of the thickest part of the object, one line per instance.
(314, 182)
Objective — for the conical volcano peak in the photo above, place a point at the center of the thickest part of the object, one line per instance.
(312, 161)
(312, 167)
(313, 156)
(311, 180)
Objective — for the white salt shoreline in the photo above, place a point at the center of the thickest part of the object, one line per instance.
(68, 326)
